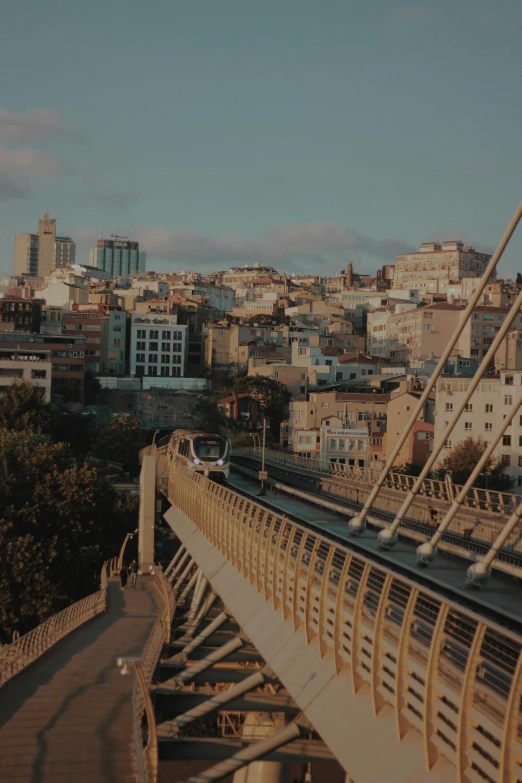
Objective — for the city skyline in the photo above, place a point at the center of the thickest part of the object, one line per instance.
(243, 135)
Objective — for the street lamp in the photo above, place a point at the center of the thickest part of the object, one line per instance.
(263, 475)
(122, 550)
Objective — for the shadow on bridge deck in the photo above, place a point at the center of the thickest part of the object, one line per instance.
(68, 716)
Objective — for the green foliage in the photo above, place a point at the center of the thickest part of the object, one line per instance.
(209, 416)
(119, 440)
(408, 469)
(58, 522)
(272, 395)
(76, 430)
(462, 459)
(23, 406)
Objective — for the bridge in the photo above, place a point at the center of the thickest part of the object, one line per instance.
(336, 625)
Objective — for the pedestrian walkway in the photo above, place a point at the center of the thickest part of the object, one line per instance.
(67, 718)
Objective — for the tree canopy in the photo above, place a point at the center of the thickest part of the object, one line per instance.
(272, 395)
(119, 440)
(59, 518)
(462, 459)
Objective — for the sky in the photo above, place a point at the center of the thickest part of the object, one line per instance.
(298, 133)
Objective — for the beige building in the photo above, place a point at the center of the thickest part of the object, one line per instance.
(294, 378)
(417, 447)
(238, 276)
(509, 354)
(483, 416)
(436, 266)
(423, 332)
(480, 330)
(38, 254)
(33, 366)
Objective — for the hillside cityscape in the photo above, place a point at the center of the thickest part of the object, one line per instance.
(106, 336)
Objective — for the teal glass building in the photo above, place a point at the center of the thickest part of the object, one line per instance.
(118, 257)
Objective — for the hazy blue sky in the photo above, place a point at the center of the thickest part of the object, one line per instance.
(296, 132)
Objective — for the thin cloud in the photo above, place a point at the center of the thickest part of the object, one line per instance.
(23, 169)
(30, 126)
(413, 13)
(290, 248)
(121, 200)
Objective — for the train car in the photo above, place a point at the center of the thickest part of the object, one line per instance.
(202, 452)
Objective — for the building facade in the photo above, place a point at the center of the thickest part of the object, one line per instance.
(37, 255)
(19, 315)
(158, 346)
(33, 366)
(104, 331)
(436, 266)
(483, 416)
(119, 257)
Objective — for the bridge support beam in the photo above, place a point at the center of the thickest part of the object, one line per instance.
(147, 514)
(206, 663)
(171, 728)
(251, 753)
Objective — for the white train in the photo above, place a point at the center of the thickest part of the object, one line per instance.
(202, 452)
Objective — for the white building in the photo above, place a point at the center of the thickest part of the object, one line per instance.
(483, 416)
(20, 365)
(158, 346)
(437, 266)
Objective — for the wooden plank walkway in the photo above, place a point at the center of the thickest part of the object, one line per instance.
(67, 718)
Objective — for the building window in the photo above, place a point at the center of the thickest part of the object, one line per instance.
(520, 462)
(116, 329)
(153, 346)
(489, 407)
(153, 371)
(508, 399)
(165, 371)
(506, 460)
(141, 346)
(140, 370)
(325, 405)
(488, 426)
(165, 335)
(153, 334)
(153, 358)
(508, 380)
(165, 358)
(140, 357)
(165, 347)
(141, 334)
(117, 343)
(468, 425)
(38, 373)
(469, 407)
(506, 440)
(449, 406)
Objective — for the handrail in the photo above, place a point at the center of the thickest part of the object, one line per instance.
(450, 676)
(486, 500)
(24, 650)
(146, 743)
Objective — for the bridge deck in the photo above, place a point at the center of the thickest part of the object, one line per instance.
(67, 719)
(502, 594)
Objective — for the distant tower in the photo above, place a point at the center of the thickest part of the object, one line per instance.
(349, 274)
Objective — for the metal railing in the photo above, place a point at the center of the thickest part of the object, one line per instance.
(26, 649)
(145, 741)
(482, 499)
(449, 676)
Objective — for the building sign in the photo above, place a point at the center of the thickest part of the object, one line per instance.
(120, 243)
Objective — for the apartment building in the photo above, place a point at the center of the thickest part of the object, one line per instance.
(483, 416)
(422, 332)
(238, 276)
(223, 343)
(158, 346)
(20, 315)
(417, 447)
(18, 365)
(437, 266)
(38, 254)
(66, 354)
(378, 342)
(104, 331)
(509, 354)
(480, 330)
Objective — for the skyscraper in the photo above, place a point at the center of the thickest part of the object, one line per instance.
(118, 256)
(38, 254)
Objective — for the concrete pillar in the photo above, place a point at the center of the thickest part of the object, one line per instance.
(147, 514)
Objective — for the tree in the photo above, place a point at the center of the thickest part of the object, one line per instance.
(461, 461)
(273, 397)
(58, 522)
(209, 416)
(24, 407)
(119, 440)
